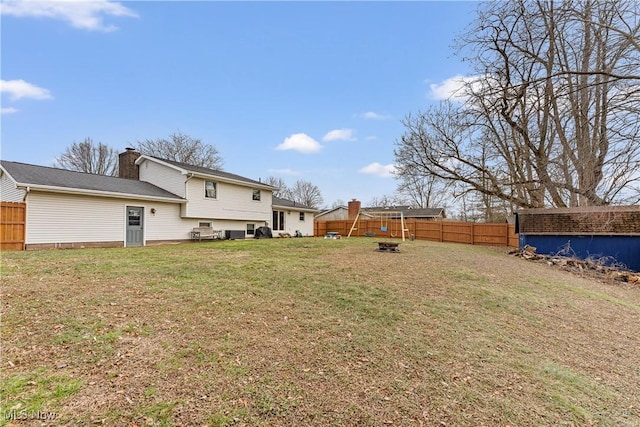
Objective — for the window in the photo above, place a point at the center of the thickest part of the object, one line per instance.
(210, 190)
(251, 229)
(204, 224)
(134, 217)
(302, 216)
(256, 195)
(278, 220)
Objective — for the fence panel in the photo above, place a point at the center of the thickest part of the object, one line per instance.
(457, 232)
(491, 234)
(502, 234)
(428, 230)
(12, 226)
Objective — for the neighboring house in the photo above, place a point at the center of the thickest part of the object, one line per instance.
(289, 217)
(153, 201)
(337, 213)
(342, 212)
(424, 213)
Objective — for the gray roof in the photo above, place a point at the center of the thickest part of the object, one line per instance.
(277, 201)
(407, 211)
(423, 212)
(325, 212)
(208, 171)
(33, 175)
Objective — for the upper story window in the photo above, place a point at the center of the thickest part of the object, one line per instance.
(301, 216)
(210, 190)
(256, 195)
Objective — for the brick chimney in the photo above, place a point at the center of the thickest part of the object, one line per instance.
(127, 167)
(354, 208)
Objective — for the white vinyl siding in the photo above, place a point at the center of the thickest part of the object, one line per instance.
(163, 176)
(8, 190)
(66, 218)
(233, 202)
(292, 222)
(305, 227)
(165, 223)
(61, 218)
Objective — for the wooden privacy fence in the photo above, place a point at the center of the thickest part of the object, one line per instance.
(12, 225)
(502, 234)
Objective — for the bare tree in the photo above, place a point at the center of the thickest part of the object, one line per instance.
(551, 117)
(306, 193)
(338, 203)
(282, 189)
(386, 201)
(183, 148)
(89, 157)
(424, 191)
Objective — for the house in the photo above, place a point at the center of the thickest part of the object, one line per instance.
(337, 213)
(351, 211)
(289, 217)
(407, 212)
(152, 201)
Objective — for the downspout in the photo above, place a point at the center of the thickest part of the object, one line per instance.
(27, 190)
(186, 191)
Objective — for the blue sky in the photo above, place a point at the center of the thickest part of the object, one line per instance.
(297, 90)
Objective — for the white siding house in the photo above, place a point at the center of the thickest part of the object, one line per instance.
(160, 201)
(289, 217)
(74, 209)
(154, 200)
(9, 192)
(219, 199)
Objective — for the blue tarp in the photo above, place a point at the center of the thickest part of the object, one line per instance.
(611, 249)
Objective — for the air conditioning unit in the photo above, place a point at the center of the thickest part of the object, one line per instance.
(234, 234)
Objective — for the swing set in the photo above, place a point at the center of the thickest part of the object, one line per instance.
(392, 231)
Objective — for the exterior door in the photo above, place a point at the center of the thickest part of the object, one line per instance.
(278, 221)
(135, 225)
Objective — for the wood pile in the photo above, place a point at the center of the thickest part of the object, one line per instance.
(597, 266)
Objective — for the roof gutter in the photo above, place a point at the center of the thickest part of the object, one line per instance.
(233, 181)
(64, 190)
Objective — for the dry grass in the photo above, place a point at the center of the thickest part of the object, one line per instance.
(313, 332)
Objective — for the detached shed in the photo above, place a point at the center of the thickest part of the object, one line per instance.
(610, 233)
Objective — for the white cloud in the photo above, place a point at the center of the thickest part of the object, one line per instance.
(371, 138)
(452, 88)
(18, 89)
(8, 110)
(300, 142)
(86, 15)
(371, 115)
(375, 168)
(285, 171)
(340, 135)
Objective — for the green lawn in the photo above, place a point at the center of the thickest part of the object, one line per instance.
(313, 332)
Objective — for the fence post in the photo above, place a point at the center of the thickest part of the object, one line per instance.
(473, 233)
(506, 228)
